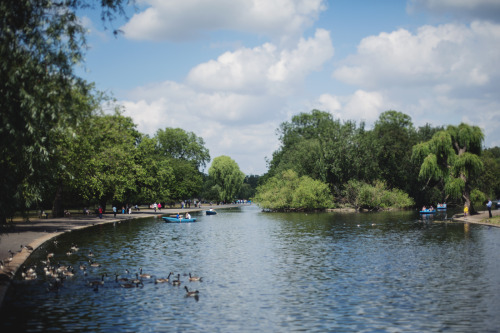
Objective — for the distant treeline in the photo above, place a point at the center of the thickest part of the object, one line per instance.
(393, 165)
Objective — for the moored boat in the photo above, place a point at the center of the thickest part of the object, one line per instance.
(427, 211)
(211, 212)
(441, 206)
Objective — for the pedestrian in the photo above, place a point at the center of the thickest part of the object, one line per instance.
(159, 206)
(488, 205)
(114, 211)
(100, 212)
(466, 210)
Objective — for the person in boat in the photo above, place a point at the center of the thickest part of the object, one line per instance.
(424, 208)
(188, 216)
(178, 216)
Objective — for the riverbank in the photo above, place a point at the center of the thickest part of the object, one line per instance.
(37, 231)
(481, 217)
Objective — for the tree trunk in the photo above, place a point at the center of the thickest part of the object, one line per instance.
(468, 203)
(57, 207)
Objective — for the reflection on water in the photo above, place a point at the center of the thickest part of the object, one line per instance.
(269, 272)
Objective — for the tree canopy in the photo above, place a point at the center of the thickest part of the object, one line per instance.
(290, 192)
(452, 156)
(40, 43)
(226, 178)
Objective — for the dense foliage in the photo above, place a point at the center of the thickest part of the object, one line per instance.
(392, 165)
(40, 97)
(288, 191)
(225, 178)
(361, 195)
(452, 156)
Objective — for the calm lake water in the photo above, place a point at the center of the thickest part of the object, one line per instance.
(265, 272)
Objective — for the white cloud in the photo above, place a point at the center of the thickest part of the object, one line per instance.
(236, 102)
(264, 69)
(452, 54)
(228, 123)
(188, 19)
(360, 106)
(440, 75)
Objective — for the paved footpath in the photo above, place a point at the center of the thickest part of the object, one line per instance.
(38, 231)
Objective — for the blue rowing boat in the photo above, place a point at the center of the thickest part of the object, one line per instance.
(427, 211)
(211, 212)
(177, 220)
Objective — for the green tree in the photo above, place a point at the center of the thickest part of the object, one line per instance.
(188, 180)
(378, 196)
(289, 192)
(226, 174)
(154, 175)
(316, 145)
(179, 144)
(452, 156)
(489, 181)
(394, 137)
(40, 42)
(186, 153)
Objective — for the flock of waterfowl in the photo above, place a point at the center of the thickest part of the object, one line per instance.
(57, 272)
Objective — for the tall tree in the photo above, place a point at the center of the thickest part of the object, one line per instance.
(186, 154)
(453, 157)
(226, 174)
(180, 144)
(394, 137)
(40, 42)
(489, 182)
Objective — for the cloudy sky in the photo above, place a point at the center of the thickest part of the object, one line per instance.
(232, 71)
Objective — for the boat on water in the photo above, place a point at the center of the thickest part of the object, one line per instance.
(211, 212)
(427, 211)
(441, 206)
(169, 219)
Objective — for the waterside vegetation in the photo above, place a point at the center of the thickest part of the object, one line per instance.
(58, 148)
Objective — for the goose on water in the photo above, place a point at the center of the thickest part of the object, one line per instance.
(144, 276)
(163, 280)
(97, 282)
(178, 281)
(191, 293)
(194, 278)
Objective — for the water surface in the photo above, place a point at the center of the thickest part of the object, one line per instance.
(272, 273)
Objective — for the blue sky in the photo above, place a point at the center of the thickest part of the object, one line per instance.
(232, 71)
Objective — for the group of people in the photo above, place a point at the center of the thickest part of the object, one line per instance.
(488, 206)
(179, 216)
(429, 209)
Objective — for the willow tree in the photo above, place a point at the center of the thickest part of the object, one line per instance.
(225, 174)
(452, 156)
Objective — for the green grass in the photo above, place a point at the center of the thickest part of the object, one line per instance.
(493, 220)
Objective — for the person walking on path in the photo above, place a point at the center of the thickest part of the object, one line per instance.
(488, 205)
(114, 211)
